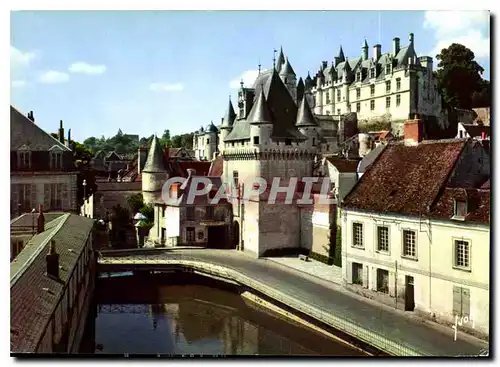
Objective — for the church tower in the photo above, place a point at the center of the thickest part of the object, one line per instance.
(154, 173)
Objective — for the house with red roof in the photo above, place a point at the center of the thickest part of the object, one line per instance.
(416, 229)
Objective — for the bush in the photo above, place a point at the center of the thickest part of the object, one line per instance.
(321, 258)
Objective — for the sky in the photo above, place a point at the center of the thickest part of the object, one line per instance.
(147, 71)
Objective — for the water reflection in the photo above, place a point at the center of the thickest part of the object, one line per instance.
(195, 319)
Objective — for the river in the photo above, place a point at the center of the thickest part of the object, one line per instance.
(169, 318)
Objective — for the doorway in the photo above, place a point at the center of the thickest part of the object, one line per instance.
(216, 237)
(236, 235)
(409, 293)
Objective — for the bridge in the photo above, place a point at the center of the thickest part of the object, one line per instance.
(329, 304)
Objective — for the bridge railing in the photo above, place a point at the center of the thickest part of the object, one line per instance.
(364, 333)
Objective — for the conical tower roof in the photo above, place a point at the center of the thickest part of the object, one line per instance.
(305, 117)
(341, 55)
(281, 60)
(155, 161)
(300, 89)
(230, 116)
(260, 112)
(211, 128)
(308, 82)
(365, 44)
(287, 69)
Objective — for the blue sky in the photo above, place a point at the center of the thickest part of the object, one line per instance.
(145, 72)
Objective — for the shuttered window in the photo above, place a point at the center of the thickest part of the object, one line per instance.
(461, 301)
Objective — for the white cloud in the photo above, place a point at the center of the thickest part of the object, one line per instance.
(18, 83)
(166, 87)
(248, 77)
(53, 77)
(84, 68)
(469, 28)
(19, 58)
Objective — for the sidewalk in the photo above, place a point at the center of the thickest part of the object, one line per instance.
(332, 276)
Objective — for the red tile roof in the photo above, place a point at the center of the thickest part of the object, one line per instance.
(478, 204)
(119, 186)
(405, 179)
(216, 167)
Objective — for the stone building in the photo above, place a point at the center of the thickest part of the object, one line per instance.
(386, 87)
(416, 228)
(42, 169)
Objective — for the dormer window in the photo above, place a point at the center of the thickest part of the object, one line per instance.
(24, 159)
(460, 209)
(388, 69)
(372, 73)
(56, 160)
(256, 140)
(358, 77)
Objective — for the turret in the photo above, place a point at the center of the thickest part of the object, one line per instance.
(300, 90)
(306, 123)
(154, 173)
(281, 60)
(260, 119)
(227, 124)
(340, 58)
(288, 77)
(364, 51)
(211, 133)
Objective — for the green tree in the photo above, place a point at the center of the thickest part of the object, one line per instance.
(458, 75)
(135, 202)
(482, 98)
(176, 141)
(149, 212)
(165, 139)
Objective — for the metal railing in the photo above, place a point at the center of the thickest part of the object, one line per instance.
(349, 327)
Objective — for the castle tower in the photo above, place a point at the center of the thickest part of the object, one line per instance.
(300, 91)
(289, 78)
(308, 85)
(307, 125)
(154, 173)
(281, 60)
(260, 120)
(227, 125)
(211, 141)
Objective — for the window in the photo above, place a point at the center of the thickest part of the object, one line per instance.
(388, 86)
(338, 96)
(209, 212)
(358, 107)
(372, 89)
(358, 77)
(383, 239)
(201, 235)
(190, 234)
(460, 210)
(398, 83)
(372, 73)
(461, 301)
(190, 213)
(24, 160)
(208, 141)
(358, 93)
(382, 280)
(235, 178)
(409, 245)
(327, 96)
(56, 160)
(288, 142)
(398, 99)
(462, 254)
(387, 102)
(357, 235)
(338, 111)
(357, 273)
(163, 212)
(256, 140)
(24, 196)
(388, 69)
(372, 104)
(314, 142)
(56, 193)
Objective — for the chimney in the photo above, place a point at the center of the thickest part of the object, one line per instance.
(61, 132)
(413, 131)
(142, 155)
(395, 46)
(40, 220)
(30, 116)
(68, 144)
(377, 50)
(52, 259)
(175, 190)
(411, 38)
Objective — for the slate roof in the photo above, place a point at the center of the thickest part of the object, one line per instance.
(406, 179)
(282, 107)
(155, 161)
(305, 117)
(31, 305)
(211, 128)
(300, 89)
(475, 131)
(344, 165)
(287, 69)
(230, 116)
(280, 61)
(25, 221)
(23, 131)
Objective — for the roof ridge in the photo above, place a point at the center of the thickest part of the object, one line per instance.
(63, 219)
